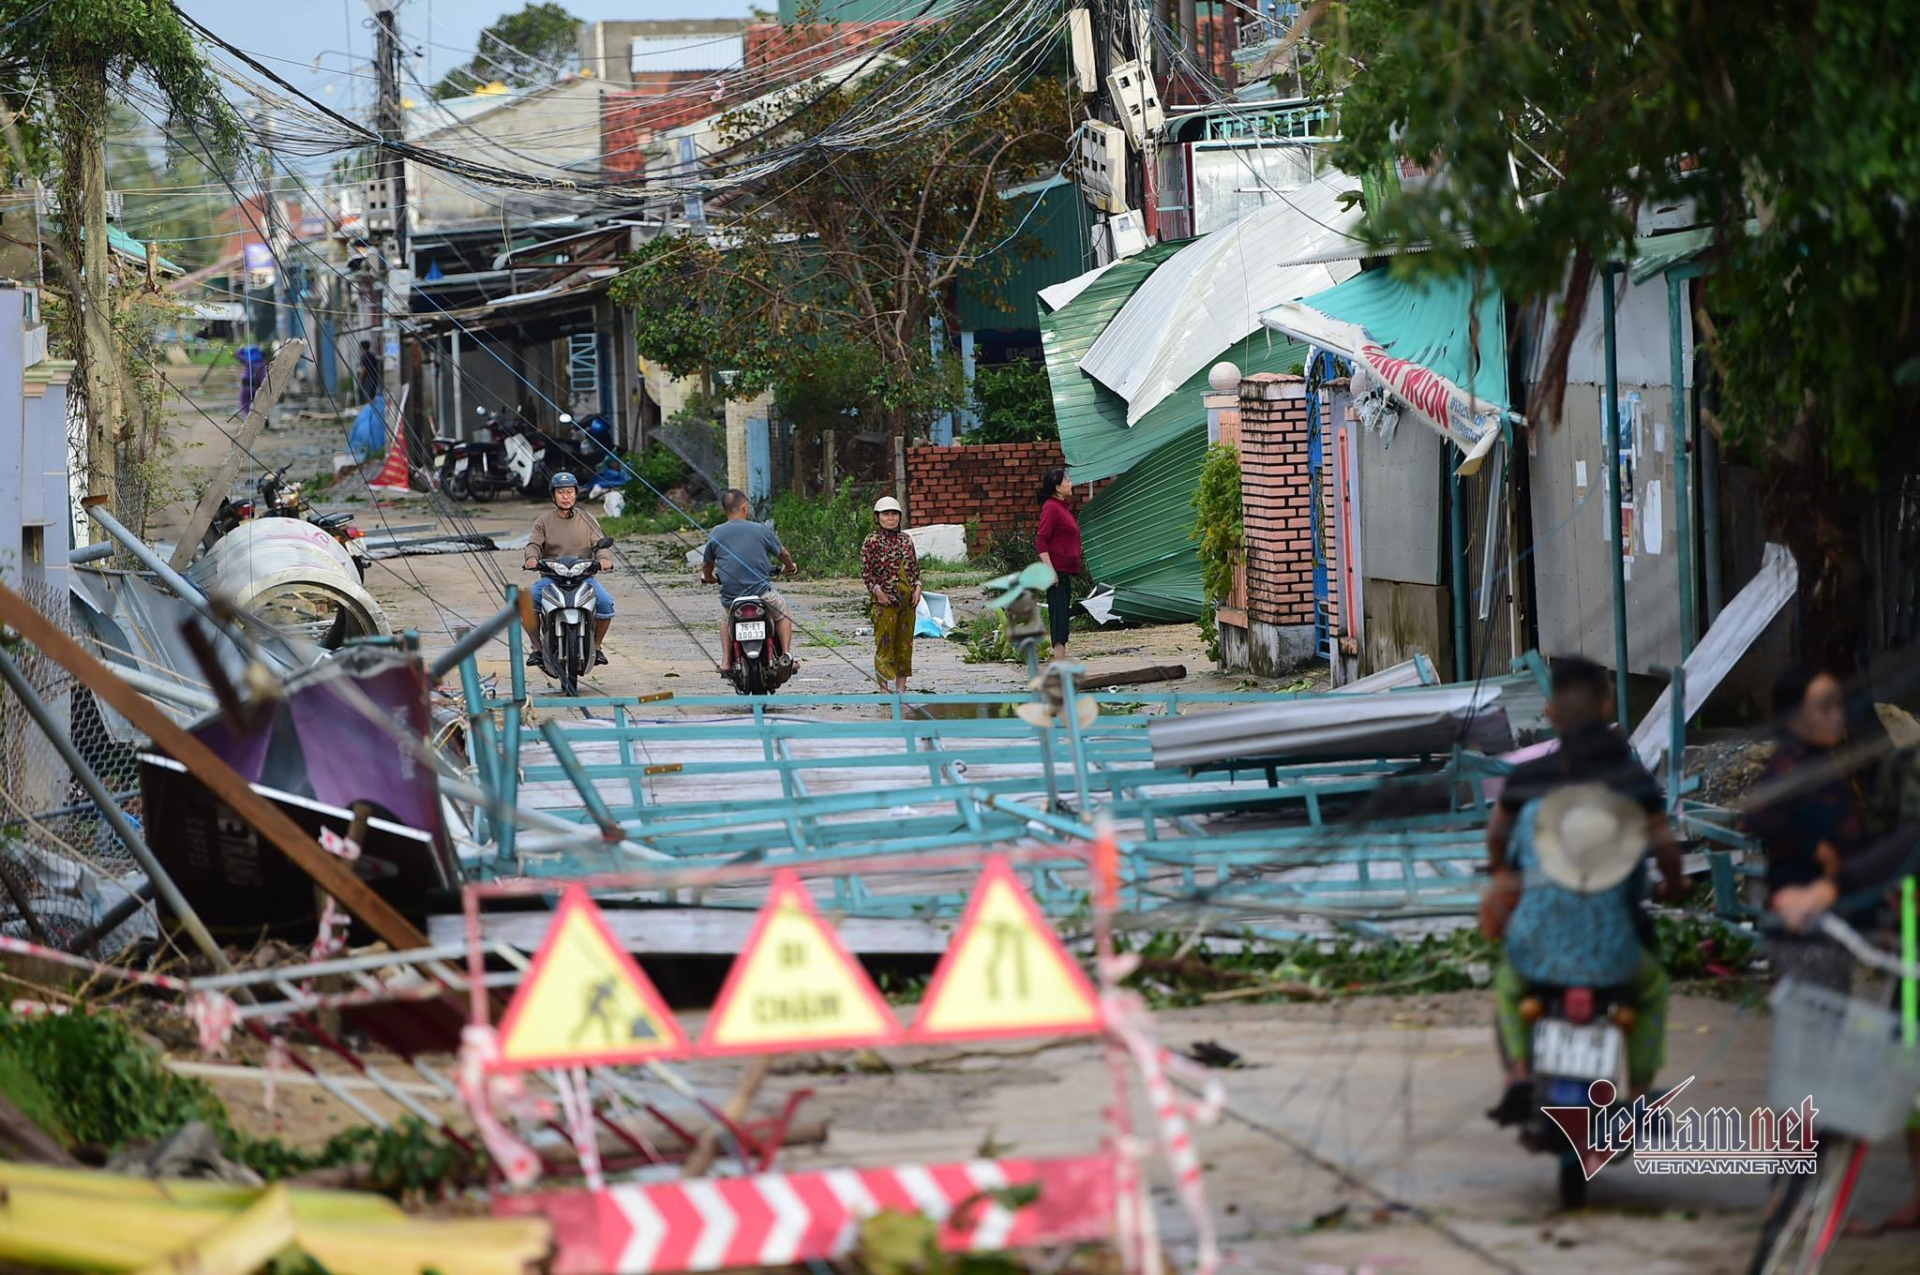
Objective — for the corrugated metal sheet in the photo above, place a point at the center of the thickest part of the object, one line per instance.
(1138, 531)
(1428, 322)
(1088, 413)
(1137, 534)
(1061, 228)
(1209, 295)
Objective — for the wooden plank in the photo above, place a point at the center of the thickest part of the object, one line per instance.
(279, 372)
(329, 873)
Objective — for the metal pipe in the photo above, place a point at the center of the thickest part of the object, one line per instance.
(91, 553)
(477, 637)
(154, 687)
(563, 753)
(115, 917)
(1457, 545)
(187, 591)
(1614, 497)
(1682, 462)
(111, 812)
(507, 830)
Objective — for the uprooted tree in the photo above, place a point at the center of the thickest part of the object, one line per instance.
(1790, 126)
(90, 55)
(823, 282)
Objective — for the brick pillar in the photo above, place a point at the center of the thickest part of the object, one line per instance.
(1276, 504)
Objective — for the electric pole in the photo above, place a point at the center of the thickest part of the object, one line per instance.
(393, 274)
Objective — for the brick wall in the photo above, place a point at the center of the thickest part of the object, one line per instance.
(996, 485)
(1276, 500)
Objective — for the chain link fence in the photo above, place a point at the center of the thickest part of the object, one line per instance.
(62, 868)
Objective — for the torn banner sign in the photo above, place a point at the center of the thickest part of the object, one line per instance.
(1471, 423)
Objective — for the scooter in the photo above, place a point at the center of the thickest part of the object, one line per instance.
(476, 468)
(756, 663)
(566, 616)
(1579, 1037)
(278, 498)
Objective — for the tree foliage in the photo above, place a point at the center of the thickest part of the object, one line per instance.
(90, 55)
(519, 50)
(821, 282)
(1789, 126)
(1013, 403)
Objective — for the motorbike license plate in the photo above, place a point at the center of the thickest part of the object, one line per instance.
(750, 631)
(460, 465)
(1591, 1052)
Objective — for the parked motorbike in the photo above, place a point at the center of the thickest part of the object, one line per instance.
(566, 616)
(1578, 1037)
(275, 497)
(755, 662)
(477, 468)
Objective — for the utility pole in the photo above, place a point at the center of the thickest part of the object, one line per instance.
(393, 267)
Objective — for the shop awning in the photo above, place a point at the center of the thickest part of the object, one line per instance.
(1416, 338)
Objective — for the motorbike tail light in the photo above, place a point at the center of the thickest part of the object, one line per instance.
(354, 533)
(1578, 1004)
(749, 613)
(245, 511)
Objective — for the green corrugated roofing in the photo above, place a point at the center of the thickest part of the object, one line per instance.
(127, 246)
(1137, 534)
(1084, 408)
(1137, 531)
(1429, 322)
(1062, 225)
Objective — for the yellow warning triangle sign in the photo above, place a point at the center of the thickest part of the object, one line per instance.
(584, 1002)
(795, 986)
(1005, 973)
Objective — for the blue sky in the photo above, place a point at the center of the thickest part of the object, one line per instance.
(339, 33)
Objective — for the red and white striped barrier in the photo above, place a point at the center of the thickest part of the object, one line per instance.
(778, 1219)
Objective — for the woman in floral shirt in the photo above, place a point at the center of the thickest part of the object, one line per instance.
(891, 571)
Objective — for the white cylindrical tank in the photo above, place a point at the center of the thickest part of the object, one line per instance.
(294, 576)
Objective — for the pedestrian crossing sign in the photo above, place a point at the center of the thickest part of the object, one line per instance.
(584, 1001)
(795, 986)
(1005, 973)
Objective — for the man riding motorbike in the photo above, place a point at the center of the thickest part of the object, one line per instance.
(1560, 930)
(565, 531)
(738, 551)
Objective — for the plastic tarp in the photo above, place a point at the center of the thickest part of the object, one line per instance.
(934, 616)
(1416, 338)
(369, 433)
(1210, 294)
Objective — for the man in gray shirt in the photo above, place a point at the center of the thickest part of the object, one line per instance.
(738, 553)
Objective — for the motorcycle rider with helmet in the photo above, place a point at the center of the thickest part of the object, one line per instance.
(566, 531)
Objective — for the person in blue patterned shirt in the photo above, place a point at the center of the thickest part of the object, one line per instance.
(1560, 927)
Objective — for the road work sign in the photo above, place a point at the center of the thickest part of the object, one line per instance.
(1005, 974)
(795, 986)
(584, 1002)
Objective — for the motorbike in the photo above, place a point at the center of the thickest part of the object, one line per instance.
(277, 498)
(566, 616)
(751, 650)
(1579, 1037)
(477, 468)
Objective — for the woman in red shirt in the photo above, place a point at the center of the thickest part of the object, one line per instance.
(1058, 540)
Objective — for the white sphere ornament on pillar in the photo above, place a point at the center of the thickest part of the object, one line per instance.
(1225, 378)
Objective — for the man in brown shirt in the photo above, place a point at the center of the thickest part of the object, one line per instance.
(565, 531)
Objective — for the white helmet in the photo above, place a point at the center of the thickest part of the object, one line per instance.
(886, 505)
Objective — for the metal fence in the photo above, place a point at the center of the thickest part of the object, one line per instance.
(61, 867)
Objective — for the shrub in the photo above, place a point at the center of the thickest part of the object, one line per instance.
(824, 535)
(1013, 403)
(658, 467)
(1219, 528)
